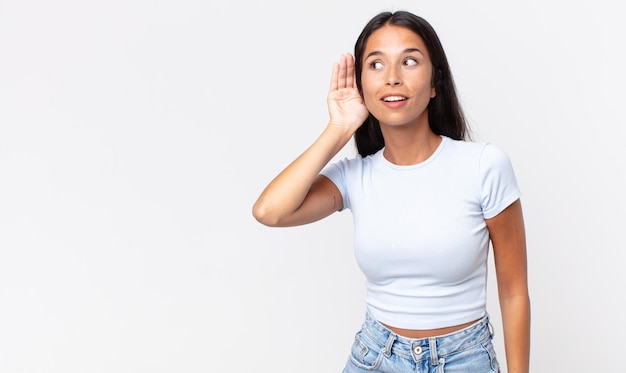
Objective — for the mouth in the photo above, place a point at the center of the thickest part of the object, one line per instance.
(394, 98)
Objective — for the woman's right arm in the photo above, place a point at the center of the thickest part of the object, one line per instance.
(299, 195)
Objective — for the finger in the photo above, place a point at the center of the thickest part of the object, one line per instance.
(341, 81)
(334, 77)
(350, 76)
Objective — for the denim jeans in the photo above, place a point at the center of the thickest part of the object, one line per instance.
(378, 349)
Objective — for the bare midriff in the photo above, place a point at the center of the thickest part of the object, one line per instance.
(413, 333)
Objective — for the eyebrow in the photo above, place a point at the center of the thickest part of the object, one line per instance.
(406, 51)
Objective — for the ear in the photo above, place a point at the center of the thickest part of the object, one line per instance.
(435, 81)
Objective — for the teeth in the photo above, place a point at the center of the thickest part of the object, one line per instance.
(393, 98)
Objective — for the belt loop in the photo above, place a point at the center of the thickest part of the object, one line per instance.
(432, 346)
(387, 350)
(491, 332)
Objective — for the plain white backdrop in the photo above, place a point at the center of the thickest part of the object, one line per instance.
(135, 136)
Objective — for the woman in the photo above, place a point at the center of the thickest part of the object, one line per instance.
(425, 204)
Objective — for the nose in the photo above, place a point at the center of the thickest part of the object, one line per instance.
(393, 78)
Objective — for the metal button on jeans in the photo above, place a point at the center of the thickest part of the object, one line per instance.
(417, 350)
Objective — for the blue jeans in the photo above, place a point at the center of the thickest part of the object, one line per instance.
(378, 349)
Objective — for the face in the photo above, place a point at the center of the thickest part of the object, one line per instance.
(396, 77)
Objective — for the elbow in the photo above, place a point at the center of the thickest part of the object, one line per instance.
(263, 215)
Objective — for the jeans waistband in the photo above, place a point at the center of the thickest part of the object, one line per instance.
(427, 348)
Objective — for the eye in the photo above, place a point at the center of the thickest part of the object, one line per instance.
(410, 62)
(376, 65)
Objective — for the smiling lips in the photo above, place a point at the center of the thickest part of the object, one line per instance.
(394, 101)
(394, 98)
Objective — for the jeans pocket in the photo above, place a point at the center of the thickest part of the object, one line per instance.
(365, 355)
(491, 352)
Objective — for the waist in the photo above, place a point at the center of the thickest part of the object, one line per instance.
(419, 348)
(416, 334)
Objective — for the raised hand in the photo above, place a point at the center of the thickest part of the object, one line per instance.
(299, 195)
(345, 104)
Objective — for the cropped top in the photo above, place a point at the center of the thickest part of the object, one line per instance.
(421, 239)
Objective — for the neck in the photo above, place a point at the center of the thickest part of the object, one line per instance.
(406, 145)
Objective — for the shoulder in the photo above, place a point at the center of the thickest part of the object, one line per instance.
(476, 151)
(493, 156)
(465, 155)
(463, 147)
(354, 163)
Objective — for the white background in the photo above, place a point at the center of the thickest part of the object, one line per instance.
(135, 136)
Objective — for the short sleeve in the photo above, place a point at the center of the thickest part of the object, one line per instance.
(498, 183)
(336, 172)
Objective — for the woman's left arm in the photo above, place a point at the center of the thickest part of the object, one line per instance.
(508, 238)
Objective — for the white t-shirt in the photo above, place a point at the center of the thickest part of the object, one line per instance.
(420, 233)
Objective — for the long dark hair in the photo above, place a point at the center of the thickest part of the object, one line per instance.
(444, 111)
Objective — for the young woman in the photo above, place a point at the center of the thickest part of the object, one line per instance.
(426, 203)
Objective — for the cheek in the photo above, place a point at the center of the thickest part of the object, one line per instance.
(368, 98)
(424, 87)
(369, 93)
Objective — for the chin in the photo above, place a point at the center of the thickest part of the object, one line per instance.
(396, 122)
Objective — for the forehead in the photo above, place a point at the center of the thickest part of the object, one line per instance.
(391, 39)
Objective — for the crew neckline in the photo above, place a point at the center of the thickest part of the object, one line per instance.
(444, 140)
